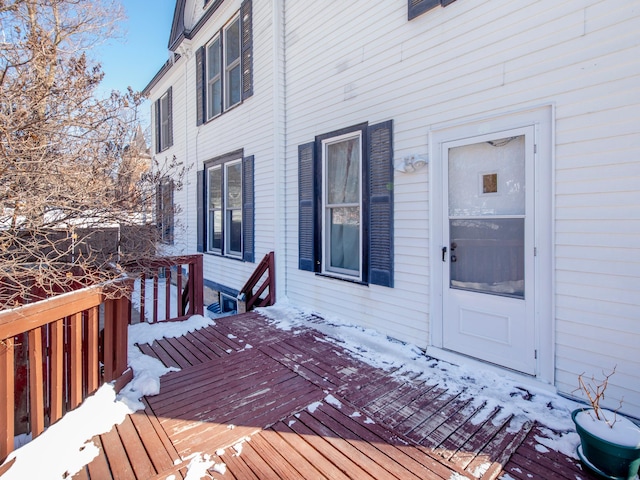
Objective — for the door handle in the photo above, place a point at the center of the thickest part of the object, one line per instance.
(444, 254)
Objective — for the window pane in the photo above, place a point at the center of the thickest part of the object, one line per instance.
(232, 42)
(488, 255)
(234, 185)
(215, 188)
(234, 231)
(214, 98)
(343, 172)
(215, 230)
(213, 59)
(344, 238)
(234, 86)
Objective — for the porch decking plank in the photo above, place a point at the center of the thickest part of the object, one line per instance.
(134, 448)
(226, 338)
(207, 390)
(333, 451)
(177, 350)
(294, 457)
(190, 343)
(213, 349)
(280, 464)
(161, 459)
(116, 455)
(156, 351)
(237, 468)
(385, 457)
(529, 460)
(99, 466)
(435, 429)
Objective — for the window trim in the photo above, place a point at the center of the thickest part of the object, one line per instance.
(326, 267)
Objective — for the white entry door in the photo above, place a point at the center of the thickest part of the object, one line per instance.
(488, 248)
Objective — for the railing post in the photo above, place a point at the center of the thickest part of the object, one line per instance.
(196, 277)
(36, 383)
(6, 398)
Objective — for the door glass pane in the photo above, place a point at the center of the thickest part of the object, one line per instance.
(488, 255)
(345, 238)
(343, 172)
(487, 216)
(487, 178)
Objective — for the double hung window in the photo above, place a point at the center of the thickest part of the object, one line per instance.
(342, 198)
(225, 221)
(224, 73)
(164, 121)
(165, 210)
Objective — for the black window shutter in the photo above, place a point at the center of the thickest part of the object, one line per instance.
(200, 86)
(380, 216)
(418, 7)
(246, 23)
(248, 209)
(169, 141)
(200, 210)
(156, 114)
(306, 195)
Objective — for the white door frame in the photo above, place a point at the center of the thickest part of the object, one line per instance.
(542, 119)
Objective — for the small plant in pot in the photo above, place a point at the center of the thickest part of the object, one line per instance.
(609, 443)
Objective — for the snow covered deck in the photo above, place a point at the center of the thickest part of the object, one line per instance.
(261, 402)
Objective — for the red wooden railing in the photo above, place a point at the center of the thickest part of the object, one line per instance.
(62, 338)
(264, 278)
(63, 341)
(169, 273)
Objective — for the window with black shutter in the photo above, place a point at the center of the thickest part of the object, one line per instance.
(224, 67)
(345, 216)
(226, 206)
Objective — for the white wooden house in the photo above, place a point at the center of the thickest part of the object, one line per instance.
(462, 175)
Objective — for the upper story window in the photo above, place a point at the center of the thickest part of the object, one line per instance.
(418, 7)
(164, 121)
(224, 76)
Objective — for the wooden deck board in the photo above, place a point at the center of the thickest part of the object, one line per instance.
(244, 381)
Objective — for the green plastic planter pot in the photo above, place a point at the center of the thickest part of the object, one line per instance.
(604, 457)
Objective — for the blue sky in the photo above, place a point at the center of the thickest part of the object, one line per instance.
(135, 58)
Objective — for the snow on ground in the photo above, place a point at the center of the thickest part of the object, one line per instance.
(66, 446)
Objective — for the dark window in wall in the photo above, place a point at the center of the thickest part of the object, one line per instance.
(224, 67)
(165, 210)
(164, 121)
(225, 206)
(345, 181)
(418, 7)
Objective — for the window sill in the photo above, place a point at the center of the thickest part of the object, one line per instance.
(344, 279)
(230, 257)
